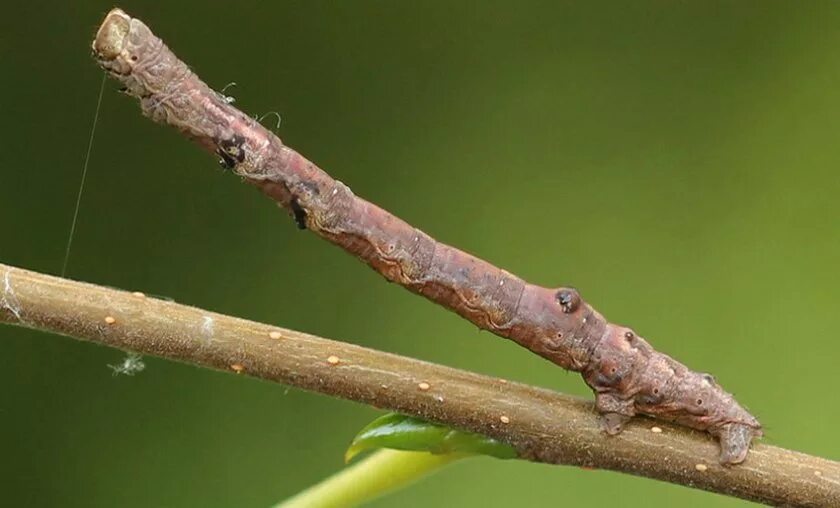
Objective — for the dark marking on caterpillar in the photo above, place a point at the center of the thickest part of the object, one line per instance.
(569, 299)
(231, 151)
(298, 213)
(311, 188)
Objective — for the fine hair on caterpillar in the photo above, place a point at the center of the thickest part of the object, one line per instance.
(626, 374)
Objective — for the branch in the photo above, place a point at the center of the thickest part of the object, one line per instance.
(543, 426)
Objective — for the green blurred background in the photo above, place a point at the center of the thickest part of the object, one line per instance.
(676, 161)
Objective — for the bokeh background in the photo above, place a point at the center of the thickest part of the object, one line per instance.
(676, 161)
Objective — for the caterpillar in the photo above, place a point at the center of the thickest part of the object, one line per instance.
(626, 374)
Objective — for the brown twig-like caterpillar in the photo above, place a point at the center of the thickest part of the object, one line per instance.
(627, 375)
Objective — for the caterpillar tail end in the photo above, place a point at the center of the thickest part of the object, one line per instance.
(735, 439)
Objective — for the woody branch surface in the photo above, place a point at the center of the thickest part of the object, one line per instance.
(543, 426)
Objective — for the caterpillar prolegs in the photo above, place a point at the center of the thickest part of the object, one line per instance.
(627, 375)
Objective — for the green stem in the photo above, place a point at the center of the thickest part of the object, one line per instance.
(379, 473)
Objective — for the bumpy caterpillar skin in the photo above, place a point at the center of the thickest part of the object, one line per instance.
(627, 375)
